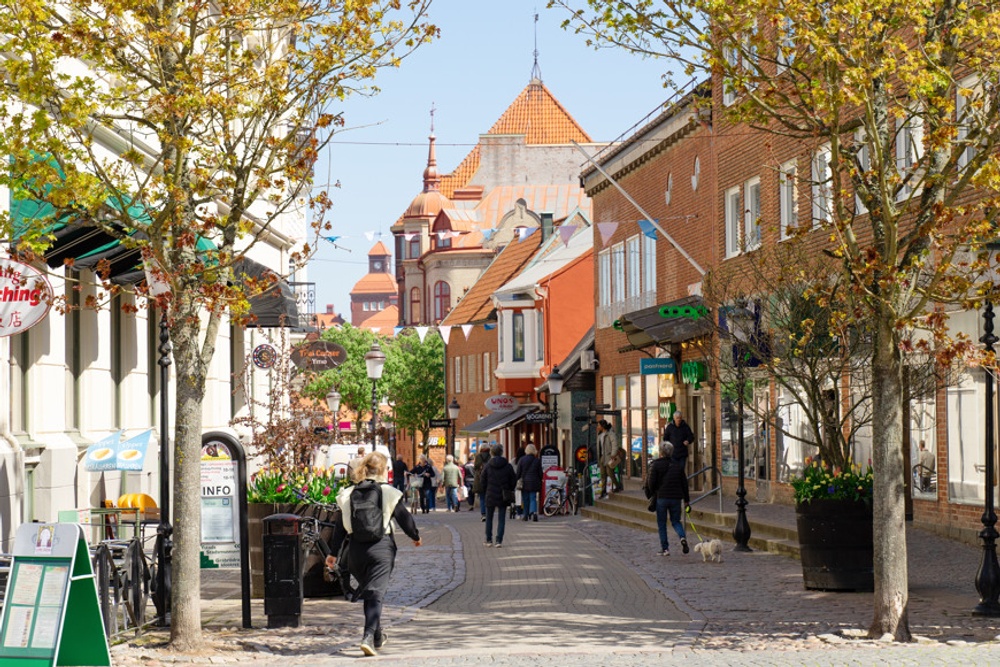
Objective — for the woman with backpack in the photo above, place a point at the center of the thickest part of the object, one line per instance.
(366, 513)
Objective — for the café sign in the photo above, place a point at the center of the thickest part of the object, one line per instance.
(25, 297)
(318, 356)
(501, 403)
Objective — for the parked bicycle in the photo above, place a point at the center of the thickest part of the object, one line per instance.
(562, 499)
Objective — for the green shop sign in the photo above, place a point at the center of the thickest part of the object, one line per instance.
(694, 372)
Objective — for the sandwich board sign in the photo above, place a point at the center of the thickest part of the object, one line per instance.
(51, 580)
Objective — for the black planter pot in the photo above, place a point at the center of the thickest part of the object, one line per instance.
(836, 545)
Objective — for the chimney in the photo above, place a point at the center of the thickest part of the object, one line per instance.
(329, 309)
(546, 226)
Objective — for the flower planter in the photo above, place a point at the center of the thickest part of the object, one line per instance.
(836, 545)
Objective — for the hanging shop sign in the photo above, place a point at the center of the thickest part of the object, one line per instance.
(264, 356)
(25, 297)
(501, 403)
(657, 366)
(318, 356)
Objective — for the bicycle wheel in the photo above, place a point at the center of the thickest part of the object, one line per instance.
(571, 502)
(553, 501)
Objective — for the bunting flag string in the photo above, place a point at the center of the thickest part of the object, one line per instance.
(566, 233)
(648, 228)
(421, 332)
(490, 326)
(488, 234)
(370, 236)
(445, 333)
(467, 329)
(607, 230)
(397, 330)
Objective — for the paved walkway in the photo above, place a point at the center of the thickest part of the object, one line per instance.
(570, 590)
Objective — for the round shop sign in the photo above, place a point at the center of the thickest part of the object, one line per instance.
(501, 403)
(25, 297)
(264, 356)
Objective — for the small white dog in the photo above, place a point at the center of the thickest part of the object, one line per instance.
(711, 550)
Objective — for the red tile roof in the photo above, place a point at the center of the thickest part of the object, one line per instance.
(384, 321)
(378, 249)
(375, 283)
(476, 305)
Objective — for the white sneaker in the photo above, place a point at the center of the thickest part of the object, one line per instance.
(666, 552)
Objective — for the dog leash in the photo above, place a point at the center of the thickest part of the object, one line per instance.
(687, 516)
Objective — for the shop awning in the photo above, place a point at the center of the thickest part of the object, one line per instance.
(497, 420)
(276, 306)
(672, 322)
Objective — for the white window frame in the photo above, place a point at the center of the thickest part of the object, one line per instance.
(864, 163)
(457, 368)
(649, 266)
(909, 150)
(633, 284)
(788, 201)
(604, 278)
(732, 57)
(539, 336)
(961, 102)
(695, 174)
(786, 43)
(487, 372)
(822, 186)
(618, 273)
(734, 221)
(752, 213)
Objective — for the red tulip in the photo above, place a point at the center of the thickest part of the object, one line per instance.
(327, 491)
(281, 487)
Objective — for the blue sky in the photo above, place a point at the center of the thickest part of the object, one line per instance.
(471, 75)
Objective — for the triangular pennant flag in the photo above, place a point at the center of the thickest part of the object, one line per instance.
(331, 239)
(396, 331)
(607, 230)
(525, 232)
(441, 235)
(566, 233)
(370, 236)
(488, 234)
(409, 236)
(466, 329)
(648, 228)
(489, 326)
(421, 332)
(445, 333)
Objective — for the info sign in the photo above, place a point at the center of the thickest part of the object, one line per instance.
(25, 297)
(219, 506)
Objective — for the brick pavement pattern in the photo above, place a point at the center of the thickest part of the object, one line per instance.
(567, 590)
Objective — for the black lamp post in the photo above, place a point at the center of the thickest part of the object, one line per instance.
(375, 361)
(164, 530)
(333, 402)
(555, 381)
(988, 577)
(454, 409)
(741, 323)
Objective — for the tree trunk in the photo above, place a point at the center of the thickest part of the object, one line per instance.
(891, 593)
(185, 620)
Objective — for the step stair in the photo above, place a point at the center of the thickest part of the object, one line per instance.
(628, 508)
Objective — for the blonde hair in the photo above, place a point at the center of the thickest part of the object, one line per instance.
(530, 449)
(371, 466)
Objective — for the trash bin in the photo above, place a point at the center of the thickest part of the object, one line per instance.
(282, 542)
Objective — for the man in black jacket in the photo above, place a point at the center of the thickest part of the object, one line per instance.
(680, 435)
(668, 482)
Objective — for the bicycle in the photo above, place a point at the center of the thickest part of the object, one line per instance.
(562, 499)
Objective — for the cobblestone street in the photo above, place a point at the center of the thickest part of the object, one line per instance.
(568, 589)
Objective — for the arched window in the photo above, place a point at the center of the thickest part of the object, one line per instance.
(442, 300)
(415, 316)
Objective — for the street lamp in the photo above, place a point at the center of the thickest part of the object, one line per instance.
(741, 326)
(453, 411)
(556, 381)
(159, 287)
(375, 361)
(988, 577)
(333, 402)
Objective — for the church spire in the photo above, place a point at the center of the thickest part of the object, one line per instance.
(432, 180)
(536, 71)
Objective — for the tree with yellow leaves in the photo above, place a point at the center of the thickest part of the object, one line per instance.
(185, 130)
(903, 96)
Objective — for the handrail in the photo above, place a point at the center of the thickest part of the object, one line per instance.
(715, 489)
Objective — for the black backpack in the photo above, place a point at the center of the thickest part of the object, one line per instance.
(366, 513)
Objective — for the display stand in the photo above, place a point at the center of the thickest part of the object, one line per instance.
(51, 579)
